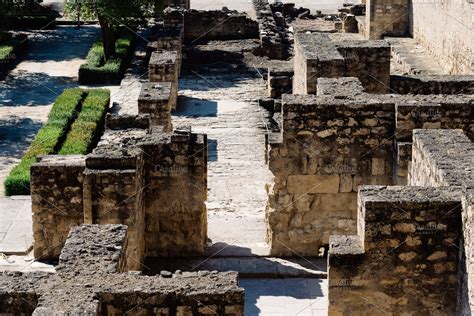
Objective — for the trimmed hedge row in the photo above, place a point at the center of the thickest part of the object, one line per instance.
(10, 49)
(96, 71)
(86, 130)
(64, 132)
(46, 141)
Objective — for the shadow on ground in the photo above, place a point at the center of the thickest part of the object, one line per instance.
(16, 134)
(32, 89)
(193, 107)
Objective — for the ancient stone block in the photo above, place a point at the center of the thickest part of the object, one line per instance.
(394, 266)
(321, 55)
(57, 202)
(91, 280)
(311, 184)
(157, 100)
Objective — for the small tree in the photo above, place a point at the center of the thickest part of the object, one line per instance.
(111, 14)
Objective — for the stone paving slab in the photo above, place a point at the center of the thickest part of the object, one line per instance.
(16, 234)
(285, 297)
(248, 267)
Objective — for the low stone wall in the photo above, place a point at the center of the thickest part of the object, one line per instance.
(340, 55)
(272, 37)
(90, 280)
(167, 39)
(280, 81)
(176, 167)
(56, 202)
(432, 84)
(202, 26)
(163, 67)
(387, 18)
(404, 258)
(332, 143)
(444, 158)
(329, 147)
(157, 101)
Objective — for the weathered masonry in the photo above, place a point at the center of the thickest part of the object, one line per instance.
(133, 175)
(413, 247)
(338, 55)
(332, 143)
(92, 279)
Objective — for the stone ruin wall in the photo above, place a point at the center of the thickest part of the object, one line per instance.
(338, 55)
(446, 29)
(133, 175)
(443, 158)
(414, 244)
(404, 258)
(92, 279)
(218, 25)
(387, 18)
(332, 143)
(328, 148)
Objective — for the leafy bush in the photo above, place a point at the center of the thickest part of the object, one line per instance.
(47, 141)
(86, 130)
(96, 71)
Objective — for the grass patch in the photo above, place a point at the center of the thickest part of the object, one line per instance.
(86, 130)
(47, 141)
(96, 70)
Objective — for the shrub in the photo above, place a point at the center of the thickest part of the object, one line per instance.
(86, 130)
(47, 141)
(96, 71)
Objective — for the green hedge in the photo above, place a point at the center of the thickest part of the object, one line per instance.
(10, 49)
(95, 71)
(47, 141)
(40, 21)
(87, 128)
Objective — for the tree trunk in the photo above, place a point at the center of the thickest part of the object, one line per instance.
(108, 38)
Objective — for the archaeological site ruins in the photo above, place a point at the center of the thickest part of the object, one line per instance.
(275, 160)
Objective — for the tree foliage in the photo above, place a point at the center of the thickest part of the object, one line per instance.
(112, 14)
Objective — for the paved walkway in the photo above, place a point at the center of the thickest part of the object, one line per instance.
(223, 107)
(285, 297)
(16, 235)
(26, 95)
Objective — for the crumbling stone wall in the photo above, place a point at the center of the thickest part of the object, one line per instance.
(177, 166)
(416, 84)
(328, 148)
(387, 18)
(164, 67)
(444, 158)
(156, 99)
(445, 28)
(57, 202)
(280, 81)
(338, 140)
(340, 55)
(218, 25)
(404, 258)
(273, 39)
(91, 279)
